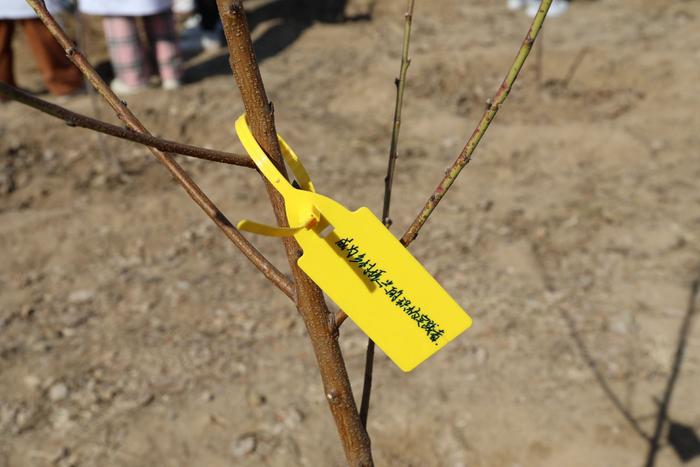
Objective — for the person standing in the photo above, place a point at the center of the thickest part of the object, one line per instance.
(203, 29)
(128, 53)
(60, 75)
(213, 31)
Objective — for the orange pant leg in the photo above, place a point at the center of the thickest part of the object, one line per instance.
(7, 27)
(60, 75)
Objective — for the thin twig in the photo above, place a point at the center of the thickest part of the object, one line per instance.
(396, 128)
(495, 104)
(465, 156)
(388, 183)
(74, 119)
(310, 300)
(340, 317)
(197, 195)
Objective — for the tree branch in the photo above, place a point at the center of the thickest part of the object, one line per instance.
(310, 301)
(465, 156)
(388, 183)
(74, 119)
(400, 86)
(340, 317)
(197, 195)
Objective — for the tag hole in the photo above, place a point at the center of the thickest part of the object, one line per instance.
(327, 231)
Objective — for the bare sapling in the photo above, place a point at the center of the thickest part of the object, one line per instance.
(322, 325)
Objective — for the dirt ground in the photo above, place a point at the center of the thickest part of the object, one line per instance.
(133, 334)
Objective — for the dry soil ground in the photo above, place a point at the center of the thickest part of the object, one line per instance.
(133, 334)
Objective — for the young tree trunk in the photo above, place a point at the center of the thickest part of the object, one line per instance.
(310, 300)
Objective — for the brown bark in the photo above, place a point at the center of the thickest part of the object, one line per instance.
(310, 301)
(74, 119)
(178, 173)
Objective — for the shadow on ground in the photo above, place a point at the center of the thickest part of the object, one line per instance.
(285, 22)
(681, 438)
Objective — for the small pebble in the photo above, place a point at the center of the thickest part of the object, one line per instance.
(244, 445)
(58, 392)
(81, 296)
(480, 355)
(256, 399)
(26, 312)
(60, 420)
(293, 417)
(32, 381)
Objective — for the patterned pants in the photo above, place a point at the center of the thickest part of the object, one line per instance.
(130, 56)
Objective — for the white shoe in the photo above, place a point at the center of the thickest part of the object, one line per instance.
(194, 38)
(171, 84)
(516, 4)
(183, 6)
(557, 9)
(123, 89)
(191, 35)
(211, 40)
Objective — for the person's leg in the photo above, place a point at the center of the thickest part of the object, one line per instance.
(126, 51)
(7, 27)
(209, 13)
(160, 29)
(60, 75)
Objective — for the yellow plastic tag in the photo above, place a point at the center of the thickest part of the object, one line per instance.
(362, 267)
